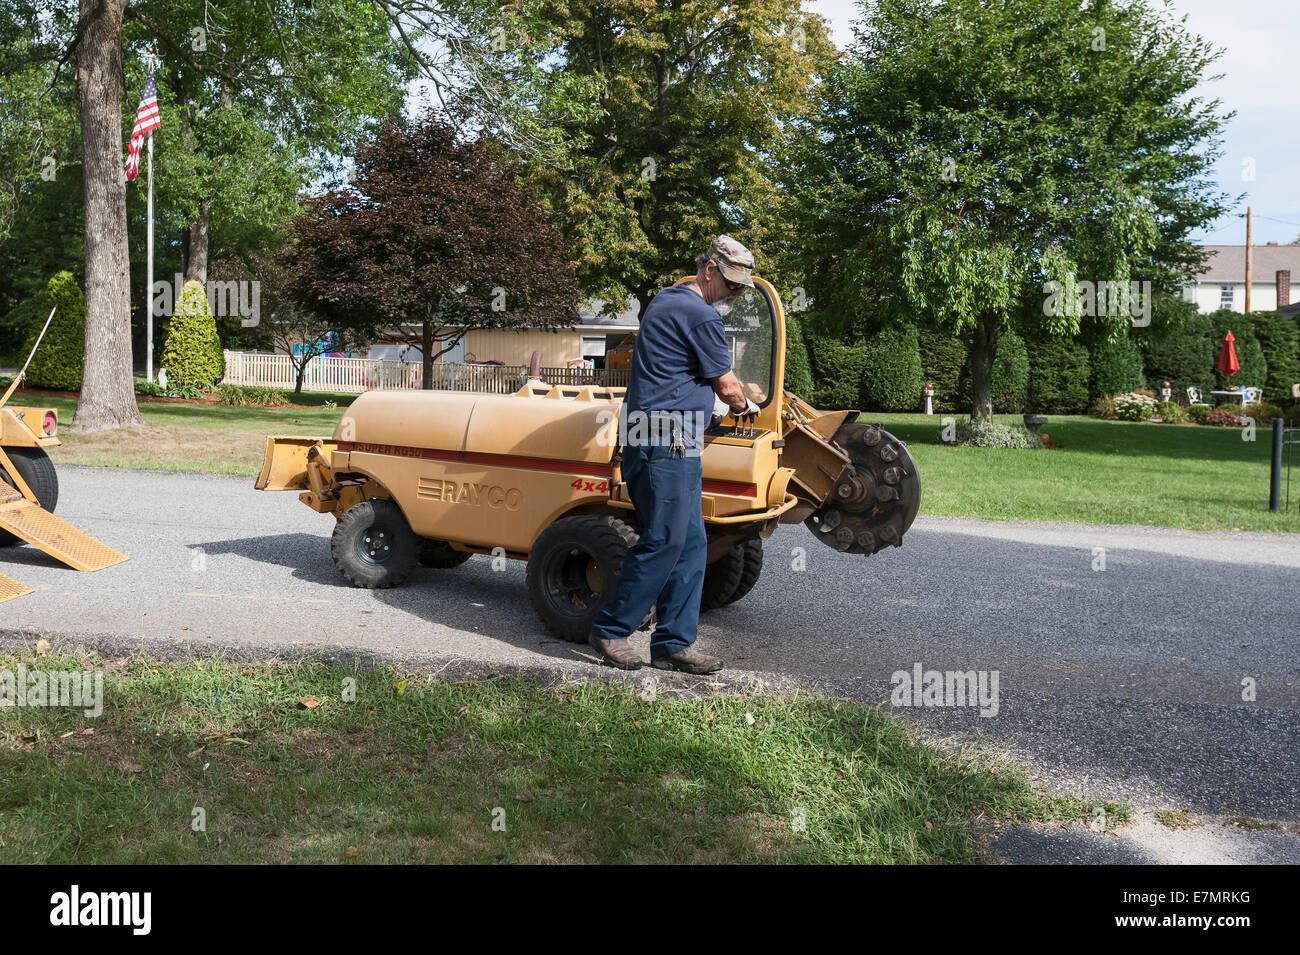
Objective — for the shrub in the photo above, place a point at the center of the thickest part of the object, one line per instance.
(1058, 376)
(798, 370)
(838, 368)
(991, 434)
(251, 397)
(891, 372)
(1103, 407)
(1263, 412)
(149, 388)
(1198, 413)
(1184, 356)
(1171, 412)
(1134, 407)
(1224, 418)
(58, 362)
(1116, 368)
(1280, 340)
(192, 354)
(944, 362)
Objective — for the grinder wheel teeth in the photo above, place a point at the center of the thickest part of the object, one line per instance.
(875, 500)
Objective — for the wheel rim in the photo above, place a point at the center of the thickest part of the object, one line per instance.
(572, 581)
(375, 545)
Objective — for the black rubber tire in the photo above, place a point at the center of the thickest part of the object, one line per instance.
(437, 554)
(721, 578)
(753, 550)
(557, 571)
(36, 468)
(384, 560)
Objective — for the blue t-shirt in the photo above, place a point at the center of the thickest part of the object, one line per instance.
(681, 345)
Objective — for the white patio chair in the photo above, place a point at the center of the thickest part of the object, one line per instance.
(1251, 395)
(1194, 397)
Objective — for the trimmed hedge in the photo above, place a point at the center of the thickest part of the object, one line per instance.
(1279, 337)
(944, 362)
(882, 373)
(1010, 374)
(1058, 376)
(58, 362)
(1184, 356)
(1116, 368)
(1254, 369)
(798, 369)
(891, 375)
(192, 354)
(838, 368)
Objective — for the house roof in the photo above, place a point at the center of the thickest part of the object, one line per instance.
(1227, 263)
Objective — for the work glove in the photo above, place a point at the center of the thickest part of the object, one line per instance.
(721, 409)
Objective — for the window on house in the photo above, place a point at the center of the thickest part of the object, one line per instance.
(1225, 296)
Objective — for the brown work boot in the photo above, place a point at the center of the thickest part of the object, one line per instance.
(689, 660)
(617, 653)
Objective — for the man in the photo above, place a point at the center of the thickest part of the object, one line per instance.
(681, 372)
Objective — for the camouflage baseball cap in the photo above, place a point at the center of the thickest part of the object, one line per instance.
(734, 260)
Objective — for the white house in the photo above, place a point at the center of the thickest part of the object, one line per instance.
(1222, 280)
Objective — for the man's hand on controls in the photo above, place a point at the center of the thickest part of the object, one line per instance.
(721, 409)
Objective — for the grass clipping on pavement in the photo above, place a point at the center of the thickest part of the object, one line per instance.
(278, 766)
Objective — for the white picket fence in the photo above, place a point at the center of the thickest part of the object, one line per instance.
(355, 375)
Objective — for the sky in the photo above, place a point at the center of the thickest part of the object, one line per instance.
(1260, 39)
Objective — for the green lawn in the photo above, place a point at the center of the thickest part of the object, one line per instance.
(1106, 472)
(415, 770)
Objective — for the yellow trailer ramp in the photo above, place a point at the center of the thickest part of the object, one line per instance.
(55, 536)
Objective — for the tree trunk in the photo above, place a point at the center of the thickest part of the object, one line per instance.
(196, 265)
(426, 354)
(982, 354)
(107, 390)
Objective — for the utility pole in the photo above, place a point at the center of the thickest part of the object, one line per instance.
(1248, 260)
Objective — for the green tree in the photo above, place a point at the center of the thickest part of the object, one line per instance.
(58, 361)
(192, 354)
(669, 112)
(1053, 141)
(435, 231)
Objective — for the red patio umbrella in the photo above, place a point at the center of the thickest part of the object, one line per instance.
(1228, 363)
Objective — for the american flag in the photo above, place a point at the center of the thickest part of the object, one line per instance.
(146, 120)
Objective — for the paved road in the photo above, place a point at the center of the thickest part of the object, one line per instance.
(1124, 681)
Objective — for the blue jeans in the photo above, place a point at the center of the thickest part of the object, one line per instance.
(665, 568)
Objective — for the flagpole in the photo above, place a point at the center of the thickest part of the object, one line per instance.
(148, 295)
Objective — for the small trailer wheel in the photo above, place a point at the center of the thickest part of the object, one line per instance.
(573, 568)
(36, 468)
(373, 546)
